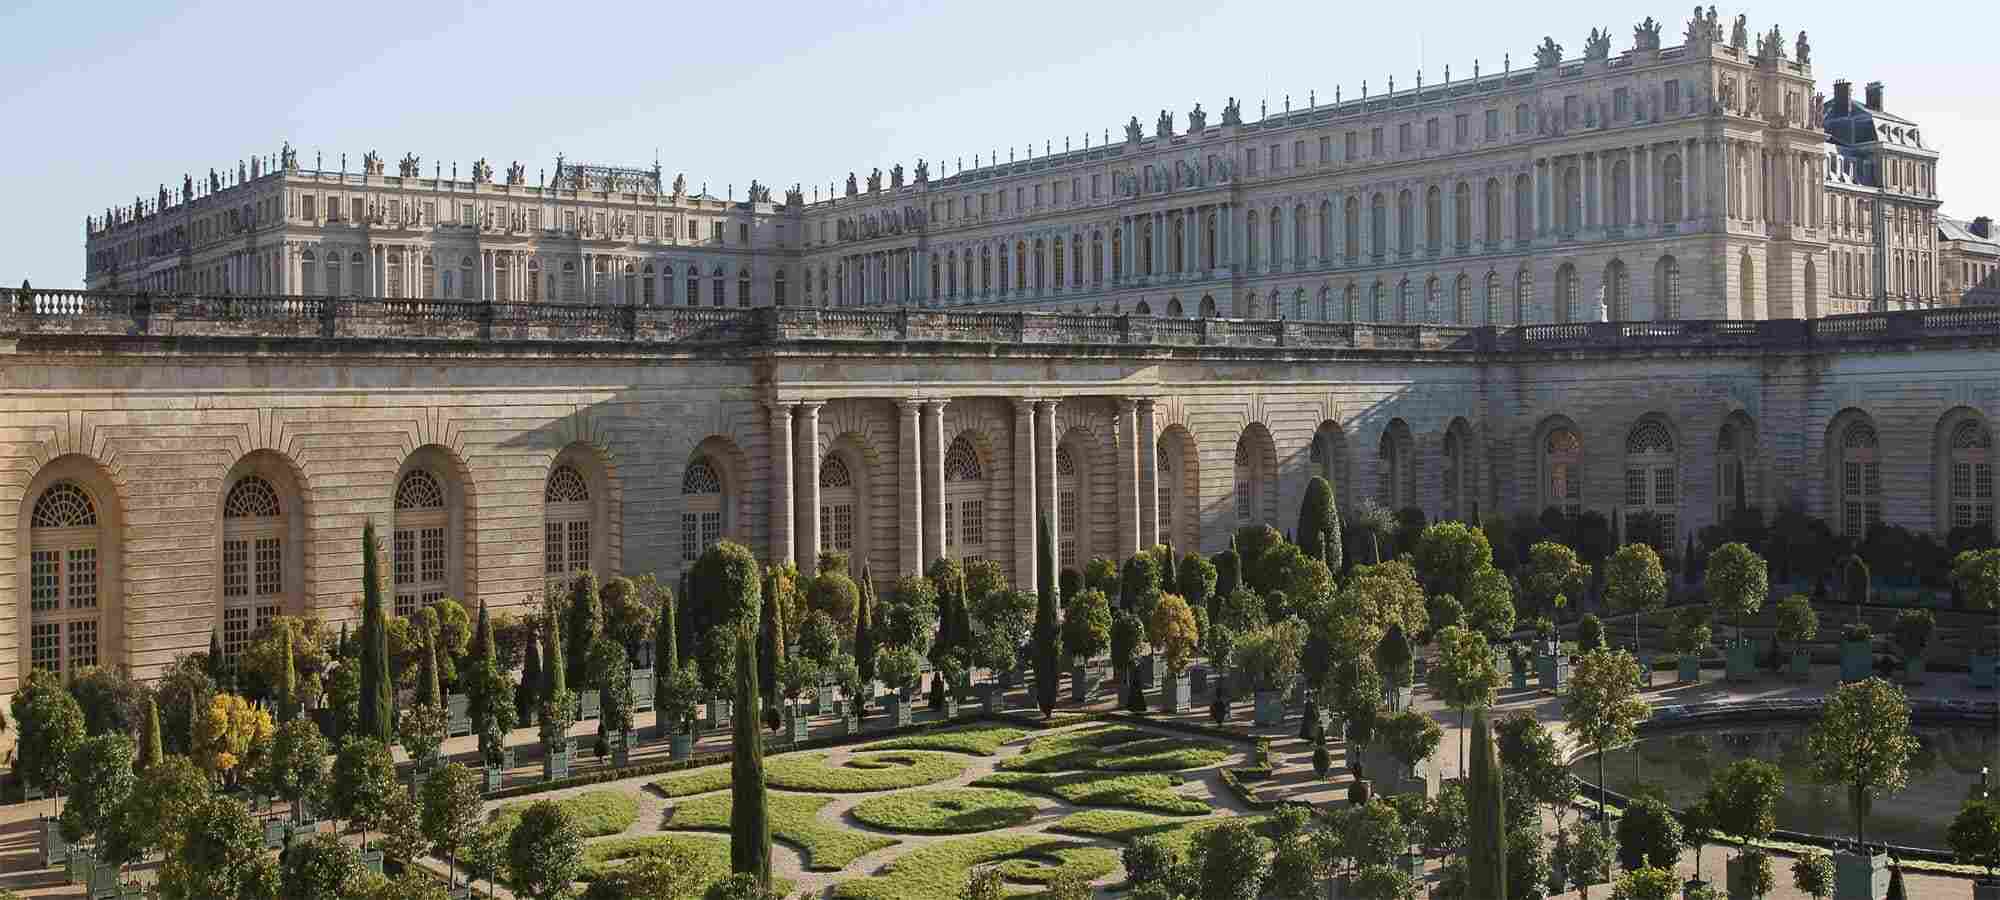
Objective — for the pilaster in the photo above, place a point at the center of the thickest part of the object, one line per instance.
(808, 488)
(781, 481)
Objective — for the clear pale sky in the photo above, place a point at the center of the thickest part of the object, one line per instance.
(106, 101)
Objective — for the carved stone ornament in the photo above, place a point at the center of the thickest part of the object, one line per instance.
(1232, 112)
(1132, 130)
(1597, 47)
(1549, 55)
(1646, 35)
(1197, 119)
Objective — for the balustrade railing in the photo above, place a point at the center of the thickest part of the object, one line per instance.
(26, 312)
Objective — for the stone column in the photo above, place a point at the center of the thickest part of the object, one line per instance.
(933, 480)
(1128, 478)
(1045, 475)
(1149, 478)
(1225, 249)
(1191, 246)
(1690, 173)
(1639, 184)
(1025, 518)
(807, 510)
(910, 487)
(781, 482)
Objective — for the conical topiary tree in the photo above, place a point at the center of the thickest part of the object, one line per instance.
(378, 719)
(1319, 523)
(1046, 629)
(1228, 570)
(1486, 826)
(667, 637)
(583, 625)
(864, 627)
(150, 749)
(288, 686)
(749, 818)
(529, 697)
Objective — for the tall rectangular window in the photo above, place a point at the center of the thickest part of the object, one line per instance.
(1492, 124)
(1461, 128)
(1621, 104)
(1349, 146)
(1325, 149)
(1375, 141)
(1673, 95)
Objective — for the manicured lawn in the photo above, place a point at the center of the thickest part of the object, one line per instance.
(603, 855)
(794, 820)
(1115, 748)
(862, 772)
(694, 781)
(946, 811)
(1126, 827)
(596, 813)
(938, 870)
(1151, 792)
(980, 740)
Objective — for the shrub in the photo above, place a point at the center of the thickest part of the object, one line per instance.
(1589, 633)
(1647, 831)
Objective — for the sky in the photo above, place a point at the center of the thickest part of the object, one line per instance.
(102, 102)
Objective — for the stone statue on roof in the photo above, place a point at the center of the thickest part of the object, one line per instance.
(187, 187)
(896, 175)
(517, 173)
(1739, 36)
(1232, 112)
(288, 158)
(1132, 130)
(681, 184)
(1197, 119)
(1803, 50)
(371, 164)
(1549, 55)
(482, 171)
(214, 180)
(1646, 35)
(923, 171)
(1597, 47)
(875, 180)
(1165, 126)
(851, 185)
(1772, 45)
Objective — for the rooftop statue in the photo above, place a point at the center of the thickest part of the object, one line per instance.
(1165, 126)
(923, 171)
(681, 185)
(1646, 36)
(517, 173)
(851, 188)
(1803, 50)
(896, 175)
(1232, 112)
(1197, 119)
(1597, 47)
(1739, 36)
(875, 180)
(1132, 130)
(1549, 55)
(288, 157)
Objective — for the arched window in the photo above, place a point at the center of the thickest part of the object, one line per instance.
(1971, 474)
(600, 281)
(986, 269)
(1651, 479)
(1325, 303)
(1860, 480)
(1117, 254)
(649, 288)
(1433, 300)
(1207, 306)
(1572, 200)
(253, 561)
(836, 504)
(422, 554)
(1566, 294)
(1406, 225)
(1621, 193)
(1061, 263)
(1433, 219)
(1461, 215)
(1524, 293)
(570, 289)
(1378, 309)
(1250, 239)
(1378, 226)
(1325, 230)
(1670, 193)
(1457, 486)
(702, 508)
(533, 281)
(1276, 225)
(1396, 466)
(964, 501)
(1524, 208)
(778, 284)
(628, 289)
(1246, 482)
(1165, 484)
(1041, 267)
(1492, 316)
(1349, 296)
(1618, 292)
(566, 516)
(1746, 286)
(1143, 309)
(1562, 456)
(1174, 308)
(64, 575)
(715, 284)
(1299, 304)
(1667, 289)
(333, 274)
(1066, 504)
(394, 279)
(1460, 312)
(1492, 210)
(1403, 302)
(1299, 235)
(742, 288)
(1350, 228)
(357, 277)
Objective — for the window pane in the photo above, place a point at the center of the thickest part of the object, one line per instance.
(270, 567)
(83, 578)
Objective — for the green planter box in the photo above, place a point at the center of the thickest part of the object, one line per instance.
(621, 748)
(1985, 890)
(898, 710)
(496, 778)
(1270, 709)
(1981, 669)
(1858, 877)
(372, 861)
(680, 745)
(1175, 693)
(1737, 875)
(643, 688)
(718, 713)
(55, 850)
(1857, 660)
(1800, 667)
(1551, 671)
(556, 760)
(795, 728)
(822, 701)
(1520, 678)
(1690, 668)
(1081, 685)
(458, 721)
(1741, 659)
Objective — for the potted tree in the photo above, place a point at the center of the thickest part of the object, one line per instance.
(1520, 661)
(1689, 637)
(1812, 874)
(679, 694)
(797, 677)
(847, 675)
(718, 673)
(1978, 575)
(1086, 632)
(1737, 581)
(898, 668)
(1393, 654)
(1975, 840)
(1127, 633)
(1551, 663)
(1270, 656)
(1743, 797)
(1857, 652)
(1798, 623)
(611, 668)
(819, 643)
(1863, 743)
(1409, 738)
(1636, 583)
(1174, 637)
(1913, 633)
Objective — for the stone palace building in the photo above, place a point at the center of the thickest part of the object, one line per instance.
(1665, 280)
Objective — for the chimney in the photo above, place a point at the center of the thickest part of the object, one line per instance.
(1843, 97)
(1875, 96)
(1983, 226)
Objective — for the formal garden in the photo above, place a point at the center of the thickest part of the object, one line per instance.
(1379, 708)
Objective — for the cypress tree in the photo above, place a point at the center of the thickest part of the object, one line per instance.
(427, 672)
(482, 636)
(666, 638)
(584, 627)
(218, 665)
(1170, 575)
(1486, 845)
(344, 648)
(528, 697)
(773, 637)
(749, 817)
(377, 688)
(1228, 570)
(434, 672)
(288, 696)
(864, 627)
(555, 674)
(1045, 620)
(150, 750)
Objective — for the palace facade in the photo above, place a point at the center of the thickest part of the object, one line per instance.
(1153, 340)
